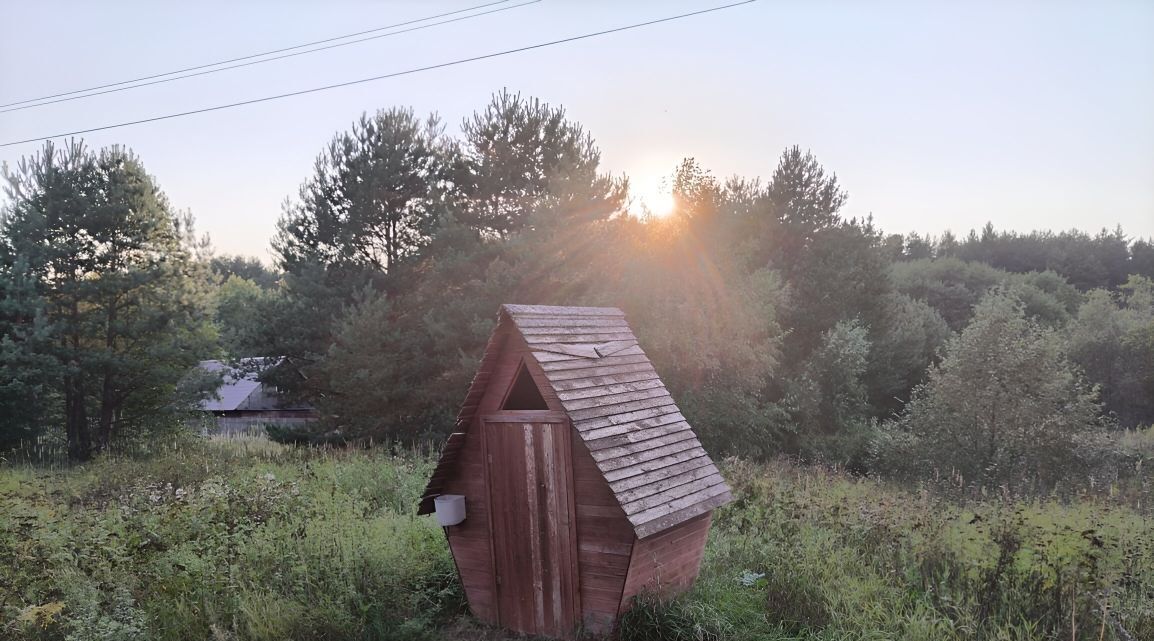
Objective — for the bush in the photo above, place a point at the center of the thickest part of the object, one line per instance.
(1005, 407)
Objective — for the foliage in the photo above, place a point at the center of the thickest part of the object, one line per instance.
(950, 285)
(1004, 406)
(241, 308)
(807, 554)
(375, 196)
(1112, 339)
(671, 286)
(803, 197)
(780, 326)
(841, 276)
(246, 267)
(654, 619)
(1046, 296)
(522, 155)
(1104, 260)
(831, 395)
(903, 346)
(735, 297)
(365, 389)
(27, 368)
(117, 277)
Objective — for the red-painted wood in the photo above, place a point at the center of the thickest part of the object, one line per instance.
(604, 541)
(533, 545)
(470, 541)
(667, 563)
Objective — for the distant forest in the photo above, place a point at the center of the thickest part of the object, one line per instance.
(779, 325)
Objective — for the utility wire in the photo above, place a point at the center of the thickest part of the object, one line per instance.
(257, 55)
(282, 56)
(541, 45)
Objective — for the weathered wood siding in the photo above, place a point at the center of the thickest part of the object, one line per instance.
(587, 363)
(604, 542)
(471, 541)
(667, 563)
(534, 550)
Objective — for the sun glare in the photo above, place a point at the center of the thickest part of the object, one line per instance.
(660, 204)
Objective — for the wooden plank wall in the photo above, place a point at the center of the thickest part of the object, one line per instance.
(667, 563)
(505, 371)
(470, 541)
(604, 542)
(604, 535)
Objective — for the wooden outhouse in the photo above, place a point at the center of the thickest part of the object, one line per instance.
(583, 484)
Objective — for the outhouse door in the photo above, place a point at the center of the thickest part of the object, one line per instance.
(529, 476)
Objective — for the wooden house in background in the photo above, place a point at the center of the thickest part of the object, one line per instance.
(242, 403)
(583, 484)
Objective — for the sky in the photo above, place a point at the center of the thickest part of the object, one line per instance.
(934, 115)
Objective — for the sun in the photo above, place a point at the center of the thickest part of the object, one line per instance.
(660, 204)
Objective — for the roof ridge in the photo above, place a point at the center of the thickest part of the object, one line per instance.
(559, 310)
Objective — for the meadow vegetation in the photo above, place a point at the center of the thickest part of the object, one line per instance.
(248, 539)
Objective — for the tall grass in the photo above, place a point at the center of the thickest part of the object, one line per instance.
(810, 554)
(223, 539)
(244, 539)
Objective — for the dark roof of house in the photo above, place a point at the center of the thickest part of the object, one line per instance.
(241, 389)
(645, 449)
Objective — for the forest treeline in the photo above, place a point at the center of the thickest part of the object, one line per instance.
(781, 326)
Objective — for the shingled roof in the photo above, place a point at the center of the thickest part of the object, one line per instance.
(643, 446)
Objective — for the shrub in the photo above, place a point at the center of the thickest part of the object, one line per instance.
(1004, 407)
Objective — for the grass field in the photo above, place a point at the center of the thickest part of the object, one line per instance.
(247, 539)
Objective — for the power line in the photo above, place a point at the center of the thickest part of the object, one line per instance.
(280, 57)
(394, 74)
(257, 55)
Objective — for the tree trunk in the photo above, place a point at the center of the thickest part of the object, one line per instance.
(107, 413)
(108, 401)
(76, 412)
(76, 419)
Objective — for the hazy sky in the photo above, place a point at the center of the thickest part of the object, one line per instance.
(934, 115)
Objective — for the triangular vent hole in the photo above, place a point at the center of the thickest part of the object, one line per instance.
(524, 395)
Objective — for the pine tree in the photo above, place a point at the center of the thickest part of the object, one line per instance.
(115, 273)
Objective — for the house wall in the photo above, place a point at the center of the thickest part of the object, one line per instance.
(471, 542)
(667, 563)
(604, 542)
(233, 423)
